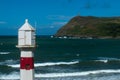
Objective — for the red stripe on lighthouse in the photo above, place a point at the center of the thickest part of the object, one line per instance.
(26, 63)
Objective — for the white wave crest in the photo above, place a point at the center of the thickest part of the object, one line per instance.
(13, 75)
(16, 75)
(108, 58)
(11, 61)
(104, 61)
(15, 66)
(8, 61)
(48, 64)
(57, 63)
(4, 52)
(77, 73)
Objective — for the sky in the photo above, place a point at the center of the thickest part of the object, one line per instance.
(48, 16)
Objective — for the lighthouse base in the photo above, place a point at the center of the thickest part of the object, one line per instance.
(27, 74)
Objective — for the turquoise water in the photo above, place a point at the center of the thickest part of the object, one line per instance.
(64, 59)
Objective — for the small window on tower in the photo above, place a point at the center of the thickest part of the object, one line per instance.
(27, 66)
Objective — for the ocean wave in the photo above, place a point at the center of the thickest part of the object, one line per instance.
(11, 61)
(4, 53)
(104, 61)
(77, 73)
(14, 65)
(54, 64)
(48, 64)
(16, 75)
(13, 75)
(108, 58)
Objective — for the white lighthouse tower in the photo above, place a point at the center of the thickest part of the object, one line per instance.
(26, 43)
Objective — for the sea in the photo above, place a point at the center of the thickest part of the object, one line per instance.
(64, 59)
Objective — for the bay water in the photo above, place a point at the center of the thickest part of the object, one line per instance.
(64, 59)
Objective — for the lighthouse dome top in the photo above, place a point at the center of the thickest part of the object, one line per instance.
(26, 26)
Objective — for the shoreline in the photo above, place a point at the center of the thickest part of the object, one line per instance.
(84, 37)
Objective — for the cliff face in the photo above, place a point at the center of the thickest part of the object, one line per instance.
(89, 26)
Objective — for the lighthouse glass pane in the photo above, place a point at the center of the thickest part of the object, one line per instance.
(21, 38)
(21, 34)
(28, 38)
(33, 38)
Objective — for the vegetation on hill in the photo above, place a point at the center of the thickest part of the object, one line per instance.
(89, 26)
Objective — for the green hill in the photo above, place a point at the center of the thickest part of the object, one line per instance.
(89, 26)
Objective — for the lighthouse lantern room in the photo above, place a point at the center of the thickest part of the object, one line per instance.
(26, 35)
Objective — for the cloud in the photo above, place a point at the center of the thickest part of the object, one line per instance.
(52, 25)
(59, 23)
(59, 17)
(3, 22)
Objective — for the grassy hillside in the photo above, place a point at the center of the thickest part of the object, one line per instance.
(89, 26)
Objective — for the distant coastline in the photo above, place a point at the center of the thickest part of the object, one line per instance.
(65, 37)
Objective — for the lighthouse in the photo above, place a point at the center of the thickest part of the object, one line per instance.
(26, 44)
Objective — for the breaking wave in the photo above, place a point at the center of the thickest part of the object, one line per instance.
(48, 64)
(54, 64)
(77, 73)
(15, 75)
(106, 59)
(4, 53)
(11, 61)
(59, 63)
